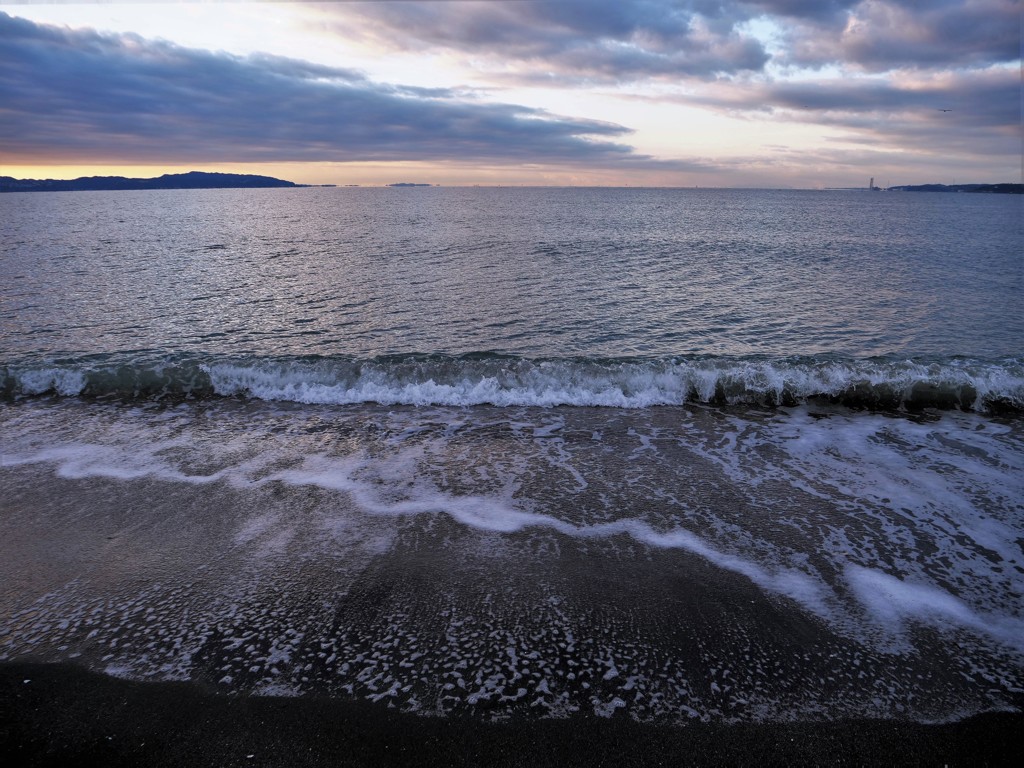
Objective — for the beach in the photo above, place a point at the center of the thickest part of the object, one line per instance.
(60, 715)
(368, 516)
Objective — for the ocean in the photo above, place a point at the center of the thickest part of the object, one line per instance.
(675, 455)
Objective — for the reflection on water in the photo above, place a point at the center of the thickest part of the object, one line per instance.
(540, 272)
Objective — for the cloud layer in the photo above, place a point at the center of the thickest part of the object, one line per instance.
(883, 35)
(581, 41)
(847, 82)
(964, 112)
(866, 72)
(85, 96)
(621, 41)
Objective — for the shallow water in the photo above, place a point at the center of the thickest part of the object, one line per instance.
(675, 562)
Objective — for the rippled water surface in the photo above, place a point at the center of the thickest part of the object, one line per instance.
(535, 272)
(678, 454)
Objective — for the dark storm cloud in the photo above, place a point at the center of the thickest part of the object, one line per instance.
(575, 42)
(70, 94)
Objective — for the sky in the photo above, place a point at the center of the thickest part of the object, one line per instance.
(725, 93)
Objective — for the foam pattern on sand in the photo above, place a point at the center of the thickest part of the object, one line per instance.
(681, 562)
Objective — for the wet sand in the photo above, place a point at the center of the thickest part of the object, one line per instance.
(61, 715)
(329, 616)
(133, 579)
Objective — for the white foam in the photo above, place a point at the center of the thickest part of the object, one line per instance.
(890, 488)
(544, 387)
(894, 602)
(394, 487)
(76, 462)
(504, 515)
(63, 381)
(623, 384)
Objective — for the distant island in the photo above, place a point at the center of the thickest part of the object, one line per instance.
(1004, 189)
(408, 184)
(190, 180)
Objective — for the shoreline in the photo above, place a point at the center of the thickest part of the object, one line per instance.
(61, 714)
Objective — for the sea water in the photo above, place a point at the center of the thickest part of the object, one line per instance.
(715, 454)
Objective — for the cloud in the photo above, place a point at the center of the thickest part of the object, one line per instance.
(903, 112)
(571, 41)
(883, 35)
(89, 97)
(585, 42)
(818, 10)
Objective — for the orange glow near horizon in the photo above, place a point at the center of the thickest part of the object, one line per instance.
(375, 174)
(734, 130)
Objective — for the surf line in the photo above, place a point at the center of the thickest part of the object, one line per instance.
(497, 515)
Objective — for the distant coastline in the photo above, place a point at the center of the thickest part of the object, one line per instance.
(190, 180)
(204, 180)
(1004, 189)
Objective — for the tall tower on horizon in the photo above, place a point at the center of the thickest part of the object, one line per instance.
(871, 184)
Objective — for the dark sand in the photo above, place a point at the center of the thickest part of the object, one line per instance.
(59, 715)
(164, 578)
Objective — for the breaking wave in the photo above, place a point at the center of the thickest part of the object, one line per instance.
(504, 380)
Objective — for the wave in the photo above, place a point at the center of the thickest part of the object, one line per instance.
(504, 380)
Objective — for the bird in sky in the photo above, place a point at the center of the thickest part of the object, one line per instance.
(943, 110)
